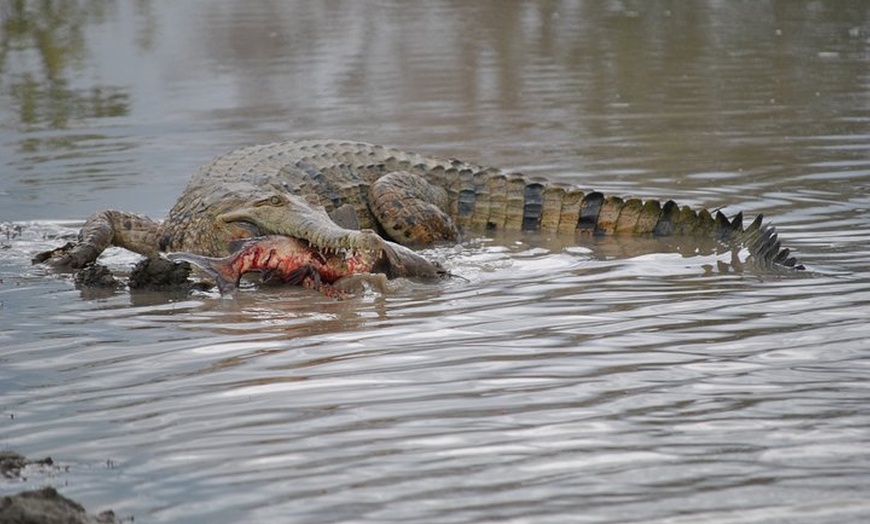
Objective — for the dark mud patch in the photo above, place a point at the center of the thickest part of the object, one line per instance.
(96, 276)
(160, 274)
(149, 276)
(41, 506)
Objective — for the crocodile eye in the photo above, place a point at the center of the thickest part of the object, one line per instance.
(274, 201)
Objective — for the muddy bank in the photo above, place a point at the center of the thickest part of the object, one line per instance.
(41, 506)
(154, 273)
(47, 506)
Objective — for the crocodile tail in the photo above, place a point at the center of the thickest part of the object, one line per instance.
(563, 208)
(490, 199)
(763, 243)
(218, 268)
(613, 215)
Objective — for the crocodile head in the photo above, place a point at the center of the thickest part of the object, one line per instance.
(275, 213)
(292, 216)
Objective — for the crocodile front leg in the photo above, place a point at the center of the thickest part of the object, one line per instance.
(107, 228)
(410, 210)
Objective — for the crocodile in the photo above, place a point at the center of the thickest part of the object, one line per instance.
(347, 195)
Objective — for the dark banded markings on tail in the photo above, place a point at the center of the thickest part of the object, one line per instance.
(670, 214)
(533, 206)
(737, 222)
(467, 200)
(722, 225)
(589, 209)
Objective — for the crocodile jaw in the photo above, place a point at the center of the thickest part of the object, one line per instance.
(292, 216)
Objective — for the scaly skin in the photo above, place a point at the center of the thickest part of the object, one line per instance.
(294, 188)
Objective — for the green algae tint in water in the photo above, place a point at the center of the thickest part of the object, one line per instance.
(618, 380)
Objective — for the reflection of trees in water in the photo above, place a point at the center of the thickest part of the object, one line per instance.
(569, 58)
(41, 92)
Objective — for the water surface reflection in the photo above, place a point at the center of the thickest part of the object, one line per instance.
(615, 380)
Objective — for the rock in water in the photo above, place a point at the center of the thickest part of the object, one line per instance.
(47, 506)
(95, 276)
(157, 273)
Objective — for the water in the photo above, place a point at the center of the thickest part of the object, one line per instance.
(611, 380)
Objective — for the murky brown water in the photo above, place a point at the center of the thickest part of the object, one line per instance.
(613, 381)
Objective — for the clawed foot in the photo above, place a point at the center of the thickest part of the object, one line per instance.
(58, 257)
(71, 255)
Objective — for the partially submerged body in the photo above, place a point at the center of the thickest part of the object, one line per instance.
(353, 197)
